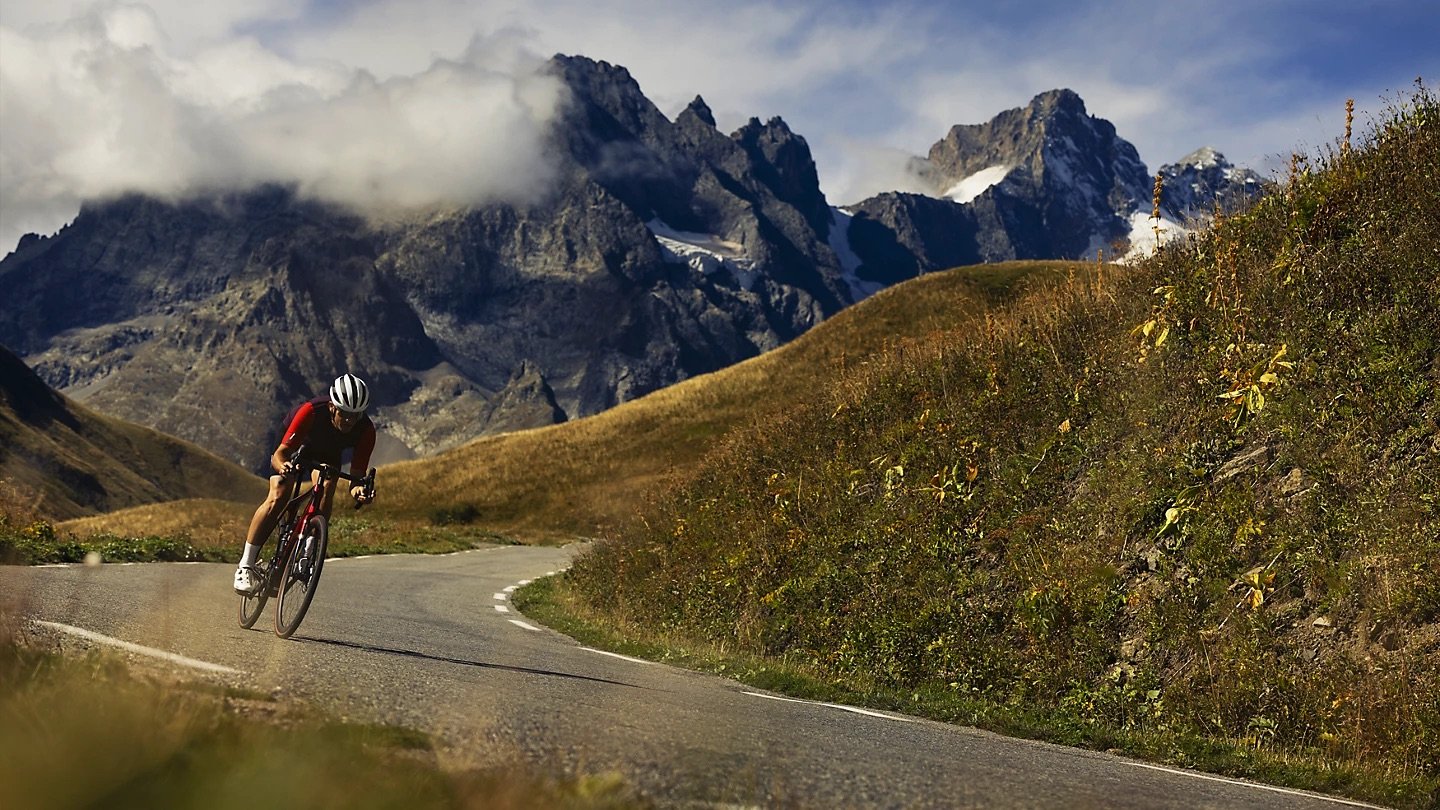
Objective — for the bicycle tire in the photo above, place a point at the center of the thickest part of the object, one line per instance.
(300, 576)
(252, 605)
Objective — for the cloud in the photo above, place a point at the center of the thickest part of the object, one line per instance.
(835, 71)
(102, 104)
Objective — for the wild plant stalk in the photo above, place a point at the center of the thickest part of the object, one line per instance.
(1349, 119)
(1155, 207)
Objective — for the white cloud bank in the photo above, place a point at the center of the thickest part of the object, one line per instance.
(106, 103)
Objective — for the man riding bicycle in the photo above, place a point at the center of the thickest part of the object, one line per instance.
(326, 426)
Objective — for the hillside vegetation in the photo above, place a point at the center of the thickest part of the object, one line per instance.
(587, 476)
(1199, 497)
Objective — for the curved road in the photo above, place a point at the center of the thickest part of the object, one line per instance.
(431, 642)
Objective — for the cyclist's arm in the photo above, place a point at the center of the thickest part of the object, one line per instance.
(295, 434)
(281, 457)
(360, 461)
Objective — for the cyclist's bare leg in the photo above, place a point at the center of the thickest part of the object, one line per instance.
(265, 518)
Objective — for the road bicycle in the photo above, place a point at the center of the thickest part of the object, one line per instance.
(293, 570)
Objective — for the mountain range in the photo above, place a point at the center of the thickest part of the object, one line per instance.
(664, 250)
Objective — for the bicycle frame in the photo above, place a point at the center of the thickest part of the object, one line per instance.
(294, 525)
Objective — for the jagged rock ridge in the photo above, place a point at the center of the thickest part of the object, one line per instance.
(1044, 181)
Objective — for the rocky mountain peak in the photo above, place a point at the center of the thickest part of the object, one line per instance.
(1051, 143)
(1047, 180)
(1202, 158)
(601, 79)
(1050, 164)
(1059, 102)
(783, 162)
(464, 321)
(700, 110)
(1195, 184)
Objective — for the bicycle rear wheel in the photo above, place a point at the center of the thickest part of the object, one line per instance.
(301, 576)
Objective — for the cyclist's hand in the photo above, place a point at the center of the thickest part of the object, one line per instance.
(290, 468)
(361, 495)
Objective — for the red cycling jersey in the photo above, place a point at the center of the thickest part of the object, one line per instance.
(324, 443)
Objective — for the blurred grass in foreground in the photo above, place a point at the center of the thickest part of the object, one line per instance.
(90, 732)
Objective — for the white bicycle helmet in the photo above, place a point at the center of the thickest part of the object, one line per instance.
(349, 393)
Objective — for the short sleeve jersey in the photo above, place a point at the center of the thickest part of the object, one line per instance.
(312, 427)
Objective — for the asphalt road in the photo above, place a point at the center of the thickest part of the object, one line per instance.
(431, 642)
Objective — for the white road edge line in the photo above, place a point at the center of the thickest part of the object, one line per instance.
(502, 609)
(519, 623)
(501, 597)
(1256, 785)
(857, 710)
(840, 706)
(136, 648)
(618, 655)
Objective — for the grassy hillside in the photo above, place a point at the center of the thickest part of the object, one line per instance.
(1198, 499)
(61, 460)
(585, 476)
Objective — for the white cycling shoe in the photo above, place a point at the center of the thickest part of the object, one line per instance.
(245, 580)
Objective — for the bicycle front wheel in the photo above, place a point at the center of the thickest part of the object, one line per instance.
(301, 576)
(251, 605)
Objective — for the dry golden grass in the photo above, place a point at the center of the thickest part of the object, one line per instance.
(210, 523)
(87, 462)
(587, 476)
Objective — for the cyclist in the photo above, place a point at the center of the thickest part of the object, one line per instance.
(326, 426)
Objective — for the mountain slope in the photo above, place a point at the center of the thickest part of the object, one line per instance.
(62, 460)
(589, 475)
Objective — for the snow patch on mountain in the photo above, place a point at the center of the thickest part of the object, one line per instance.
(1144, 239)
(972, 186)
(1204, 158)
(840, 220)
(705, 253)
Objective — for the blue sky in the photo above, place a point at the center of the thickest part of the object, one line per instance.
(409, 100)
